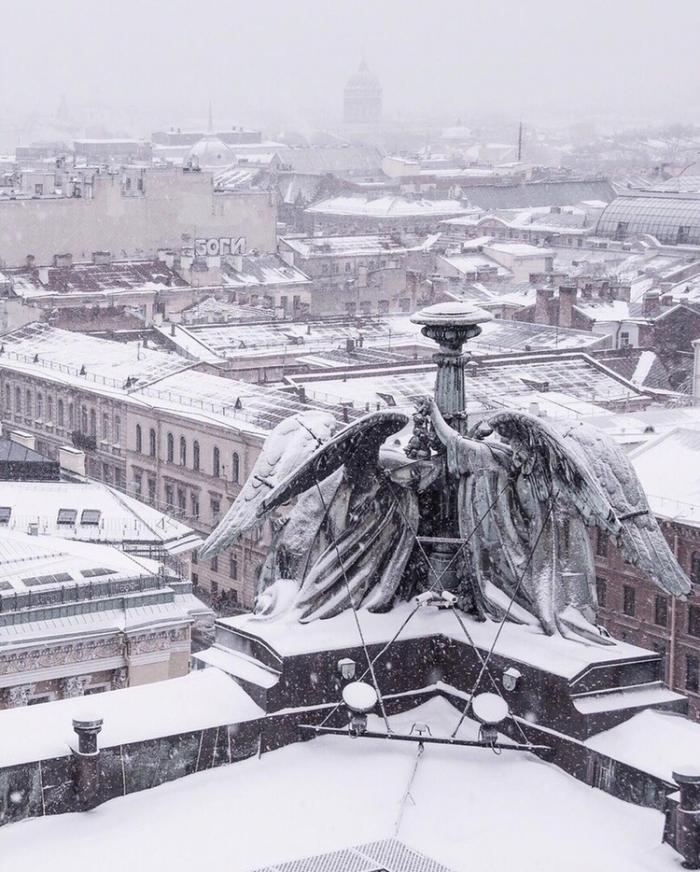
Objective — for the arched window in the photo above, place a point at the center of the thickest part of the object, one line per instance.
(235, 467)
(216, 463)
(8, 398)
(59, 409)
(139, 439)
(84, 420)
(105, 425)
(70, 415)
(195, 456)
(39, 406)
(18, 400)
(49, 409)
(695, 567)
(170, 446)
(117, 429)
(28, 410)
(183, 451)
(93, 423)
(152, 442)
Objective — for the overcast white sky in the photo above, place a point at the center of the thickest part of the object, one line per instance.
(162, 61)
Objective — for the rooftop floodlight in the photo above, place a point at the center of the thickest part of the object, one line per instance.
(347, 668)
(360, 698)
(511, 678)
(428, 598)
(490, 710)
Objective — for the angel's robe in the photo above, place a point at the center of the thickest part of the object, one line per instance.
(518, 560)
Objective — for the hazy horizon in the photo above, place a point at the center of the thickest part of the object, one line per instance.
(139, 66)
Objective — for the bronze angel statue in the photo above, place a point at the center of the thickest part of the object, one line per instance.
(527, 493)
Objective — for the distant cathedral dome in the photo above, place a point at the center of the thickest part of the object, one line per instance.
(210, 152)
(362, 103)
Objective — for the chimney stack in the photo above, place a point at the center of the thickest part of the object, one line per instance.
(567, 300)
(651, 304)
(542, 299)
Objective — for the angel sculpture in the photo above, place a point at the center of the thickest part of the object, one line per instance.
(524, 505)
(349, 536)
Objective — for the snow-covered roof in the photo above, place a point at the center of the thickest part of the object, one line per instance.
(345, 246)
(144, 377)
(669, 470)
(467, 808)
(388, 207)
(120, 519)
(493, 384)
(113, 279)
(259, 271)
(202, 699)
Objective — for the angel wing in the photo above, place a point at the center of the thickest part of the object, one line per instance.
(556, 465)
(356, 447)
(289, 445)
(641, 540)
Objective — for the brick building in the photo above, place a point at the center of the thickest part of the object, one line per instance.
(633, 609)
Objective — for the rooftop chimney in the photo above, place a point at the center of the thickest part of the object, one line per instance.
(63, 261)
(543, 296)
(651, 304)
(567, 300)
(71, 460)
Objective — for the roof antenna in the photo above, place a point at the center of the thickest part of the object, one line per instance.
(520, 142)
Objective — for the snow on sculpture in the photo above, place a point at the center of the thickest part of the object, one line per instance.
(499, 514)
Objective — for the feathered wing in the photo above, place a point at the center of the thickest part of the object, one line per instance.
(289, 446)
(641, 540)
(557, 466)
(356, 447)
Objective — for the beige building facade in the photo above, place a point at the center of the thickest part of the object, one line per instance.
(170, 208)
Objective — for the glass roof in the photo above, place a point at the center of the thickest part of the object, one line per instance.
(670, 219)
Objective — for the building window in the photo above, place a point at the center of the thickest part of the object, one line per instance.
(5, 512)
(601, 587)
(93, 423)
(138, 483)
(692, 672)
(181, 500)
(183, 451)
(195, 559)
(695, 567)
(90, 517)
(117, 429)
(152, 442)
(151, 490)
(70, 415)
(195, 456)
(233, 567)
(195, 506)
(28, 410)
(139, 439)
(8, 398)
(169, 496)
(214, 565)
(235, 467)
(661, 611)
(214, 584)
(601, 545)
(624, 339)
(694, 621)
(215, 505)
(170, 448)
(66, 517)
(216, 463)
(629, 596)
(18, 400)
(49, 409)
(60, 413)
(105, 425)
